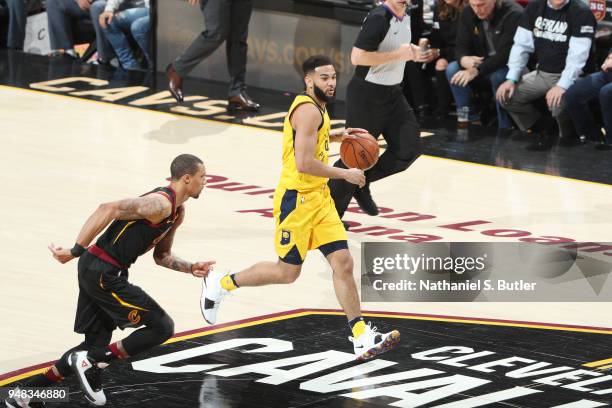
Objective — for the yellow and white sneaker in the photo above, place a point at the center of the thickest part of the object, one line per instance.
(372, 343)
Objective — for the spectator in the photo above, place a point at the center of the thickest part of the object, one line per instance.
(121, 17)
(443, 34)
(417, 82)
(581, 93)
(484, 39)
(104, 49)
(60, 14)
(226, 20)
(560, 33)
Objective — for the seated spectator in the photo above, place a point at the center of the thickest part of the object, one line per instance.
(121, 17)
(103, 47)
(18, 15)
(581, 93)
(443, 34)
(560, 33)
(60, 14)
(417, 82)
(484, 39)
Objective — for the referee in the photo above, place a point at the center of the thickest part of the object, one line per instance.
(375, 101)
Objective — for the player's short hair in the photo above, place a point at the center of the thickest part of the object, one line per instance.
(184, 164)
(314, 62)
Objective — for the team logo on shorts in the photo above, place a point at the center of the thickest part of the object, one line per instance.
(134, 317)
(285, 237)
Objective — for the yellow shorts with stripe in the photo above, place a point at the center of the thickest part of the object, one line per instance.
(305, 221)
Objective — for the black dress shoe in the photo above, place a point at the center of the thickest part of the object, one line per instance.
(365, 200)
(242, 101)
(542, 143)
(175, 83)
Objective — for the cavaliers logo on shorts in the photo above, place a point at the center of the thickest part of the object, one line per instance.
(134, 317)
(285, 237)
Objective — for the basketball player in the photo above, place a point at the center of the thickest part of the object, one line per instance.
(107, 299)
(375, 102)
(305, 215)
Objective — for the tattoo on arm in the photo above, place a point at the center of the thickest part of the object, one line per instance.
(163, 250)
(149, 206)
(176, 263)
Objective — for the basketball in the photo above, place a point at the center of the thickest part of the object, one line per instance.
(361, 152)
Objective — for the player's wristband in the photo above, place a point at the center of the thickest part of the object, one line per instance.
(511, 80)
(77, 250)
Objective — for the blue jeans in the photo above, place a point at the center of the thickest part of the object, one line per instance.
(463, 94)
(577, 98)
(136, 22)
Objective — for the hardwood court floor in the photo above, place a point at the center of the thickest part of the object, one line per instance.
(60, 157)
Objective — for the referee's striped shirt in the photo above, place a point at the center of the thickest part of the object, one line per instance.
(383, 31)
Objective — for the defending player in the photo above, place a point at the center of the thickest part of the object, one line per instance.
(107, 299)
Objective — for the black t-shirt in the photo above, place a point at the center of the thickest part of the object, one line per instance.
(552, 30)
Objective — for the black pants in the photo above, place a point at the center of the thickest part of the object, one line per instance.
(417, 84)
(379, 109)
(225, 20)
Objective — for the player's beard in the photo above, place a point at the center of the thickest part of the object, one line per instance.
(319, 93)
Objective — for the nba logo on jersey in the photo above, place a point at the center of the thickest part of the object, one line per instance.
(285, 237)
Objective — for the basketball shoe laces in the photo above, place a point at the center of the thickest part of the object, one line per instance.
(373, 331)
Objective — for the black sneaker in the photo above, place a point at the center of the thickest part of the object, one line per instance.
(89, 376)
(365, 200)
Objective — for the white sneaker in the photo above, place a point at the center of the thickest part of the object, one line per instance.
(212, 293)
(89, 377)
(372, 343)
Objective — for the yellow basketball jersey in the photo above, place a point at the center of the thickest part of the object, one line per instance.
(291, 178)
